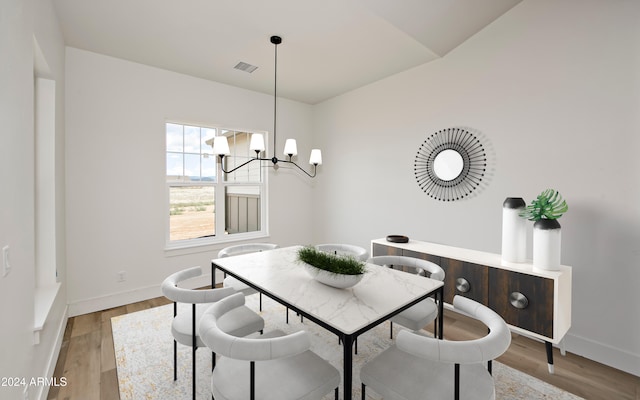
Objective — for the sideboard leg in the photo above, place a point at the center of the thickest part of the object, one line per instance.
(549, 347)
(563, 348)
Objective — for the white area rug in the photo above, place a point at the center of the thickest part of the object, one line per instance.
(144, 357)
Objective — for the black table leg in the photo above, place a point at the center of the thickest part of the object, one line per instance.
(213, 275)
(347, 348)
(440, 298)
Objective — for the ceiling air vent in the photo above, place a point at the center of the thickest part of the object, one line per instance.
(242, 66)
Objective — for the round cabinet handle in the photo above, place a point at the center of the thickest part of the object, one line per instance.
(518, 300)
(462, 285)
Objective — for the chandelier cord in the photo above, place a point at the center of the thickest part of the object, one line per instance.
(275, 96)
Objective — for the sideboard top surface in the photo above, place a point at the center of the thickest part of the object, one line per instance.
(473, 256)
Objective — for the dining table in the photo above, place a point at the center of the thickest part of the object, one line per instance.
(382, 293)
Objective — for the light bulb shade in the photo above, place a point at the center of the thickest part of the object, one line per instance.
(221, 146)
(290, 148)
(257, 142)
(316, 157)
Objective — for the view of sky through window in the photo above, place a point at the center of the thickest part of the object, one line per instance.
(189, 157)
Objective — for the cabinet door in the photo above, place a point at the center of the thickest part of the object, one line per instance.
(383, 250)
(534, 314)
(465, 279)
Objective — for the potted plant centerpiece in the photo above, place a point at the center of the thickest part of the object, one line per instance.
(331, 269)
(545, 211)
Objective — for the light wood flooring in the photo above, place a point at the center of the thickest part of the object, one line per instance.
(87, 360)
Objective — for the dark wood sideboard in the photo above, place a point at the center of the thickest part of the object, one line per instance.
(533, 302)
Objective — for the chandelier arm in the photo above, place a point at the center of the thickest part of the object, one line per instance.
(302, 169)
(239, 166)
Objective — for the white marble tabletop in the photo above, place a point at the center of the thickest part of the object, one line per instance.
(381, 292)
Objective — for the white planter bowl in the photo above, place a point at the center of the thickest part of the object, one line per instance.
(339, 281)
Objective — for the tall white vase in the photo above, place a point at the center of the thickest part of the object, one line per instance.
(514, 230)
(547, 237)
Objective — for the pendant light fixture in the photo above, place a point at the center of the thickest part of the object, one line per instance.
(221, 145)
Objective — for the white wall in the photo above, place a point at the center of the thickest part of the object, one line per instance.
(20, 23)
(553, 87)
(115, 146)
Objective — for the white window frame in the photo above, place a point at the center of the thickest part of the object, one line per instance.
(220, 186)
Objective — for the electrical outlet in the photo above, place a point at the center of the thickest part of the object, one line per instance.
(6, 264)
(122, 276)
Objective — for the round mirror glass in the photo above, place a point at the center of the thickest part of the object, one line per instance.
(448, 165)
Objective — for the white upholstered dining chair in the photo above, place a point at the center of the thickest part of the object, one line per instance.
(230, 281)
(273, 366)
(418, 316)
(184, 327)
(428, 368)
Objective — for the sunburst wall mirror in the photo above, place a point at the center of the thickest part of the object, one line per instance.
(450, 164)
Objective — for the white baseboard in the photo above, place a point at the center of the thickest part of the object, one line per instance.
(122, 298)
(603, 353)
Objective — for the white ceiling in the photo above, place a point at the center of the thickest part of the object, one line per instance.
(329, 47)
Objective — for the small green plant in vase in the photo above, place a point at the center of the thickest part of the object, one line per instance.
(331, 269)
(548, 205)
(545, 211)
(334, 263)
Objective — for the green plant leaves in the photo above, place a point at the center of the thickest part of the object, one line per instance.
(548, 205)
(337, 264)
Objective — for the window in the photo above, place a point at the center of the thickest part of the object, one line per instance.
(206, 205)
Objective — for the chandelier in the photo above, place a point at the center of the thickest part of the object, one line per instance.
(221, 145)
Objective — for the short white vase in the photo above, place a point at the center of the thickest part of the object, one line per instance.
(547, 237)
(332, 279)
